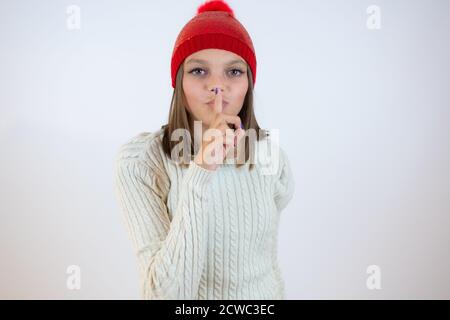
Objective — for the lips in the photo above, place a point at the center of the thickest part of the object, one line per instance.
(211, 103)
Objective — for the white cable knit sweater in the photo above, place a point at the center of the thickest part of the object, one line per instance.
(201, 234)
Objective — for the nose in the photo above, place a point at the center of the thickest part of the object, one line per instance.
(216, 81)
(214, 87)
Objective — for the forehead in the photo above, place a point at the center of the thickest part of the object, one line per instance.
(214, 56)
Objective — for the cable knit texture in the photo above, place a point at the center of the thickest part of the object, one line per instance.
(201, 234)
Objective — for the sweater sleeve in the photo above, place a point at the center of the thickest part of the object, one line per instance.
(171, 254)
(284, 182)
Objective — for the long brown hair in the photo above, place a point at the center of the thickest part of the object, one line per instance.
(180, 118)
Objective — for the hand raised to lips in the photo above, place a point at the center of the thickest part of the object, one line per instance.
(219, 103)
(214, 100)
(226, 142)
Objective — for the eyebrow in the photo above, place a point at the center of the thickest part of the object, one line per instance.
(206, 62)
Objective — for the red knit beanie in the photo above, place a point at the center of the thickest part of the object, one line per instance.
(214, 26)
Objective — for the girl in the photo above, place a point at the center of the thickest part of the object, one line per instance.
(203, 227)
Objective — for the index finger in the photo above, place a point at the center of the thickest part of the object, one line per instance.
(218, 107)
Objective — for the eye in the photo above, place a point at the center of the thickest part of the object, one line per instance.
(193, 71)
(240, 72)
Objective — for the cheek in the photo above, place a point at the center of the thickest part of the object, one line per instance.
(241, 91)
(192, 92)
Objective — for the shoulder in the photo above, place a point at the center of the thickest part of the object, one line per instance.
(140, 161)
(145, 148)
(270, 155)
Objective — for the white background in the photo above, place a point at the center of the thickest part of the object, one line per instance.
(363, 116)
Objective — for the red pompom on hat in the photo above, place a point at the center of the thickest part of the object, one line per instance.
(215, 6)
(214, 26)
